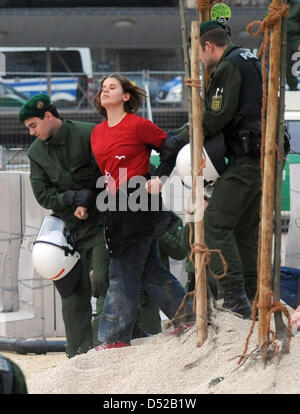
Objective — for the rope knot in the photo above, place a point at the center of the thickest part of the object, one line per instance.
(276, 13)
(206, 256)
(202, 248)
(196, 83)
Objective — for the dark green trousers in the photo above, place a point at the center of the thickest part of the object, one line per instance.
(77, 309)
(149, 318)
(231, 223)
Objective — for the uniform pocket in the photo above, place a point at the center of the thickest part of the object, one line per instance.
(230, 199)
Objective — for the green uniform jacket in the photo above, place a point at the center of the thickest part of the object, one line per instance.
(293, 24)
(222, 97)
(184, 239)
(176, 244)
(170, 244)
(65, 162)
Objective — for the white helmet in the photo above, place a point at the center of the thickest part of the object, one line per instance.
(52, 256)
(184, 166)
(214, 161)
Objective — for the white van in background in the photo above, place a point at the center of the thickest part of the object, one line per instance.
(66, 71)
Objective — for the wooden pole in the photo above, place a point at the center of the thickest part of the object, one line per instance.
(204, 15)
(186, 62)
(268, 185)
(197, 114)
(280, 327)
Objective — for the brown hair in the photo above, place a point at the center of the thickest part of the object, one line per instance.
(137, 95)
(218, 37)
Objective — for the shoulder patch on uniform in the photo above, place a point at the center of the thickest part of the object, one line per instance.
(216, 103)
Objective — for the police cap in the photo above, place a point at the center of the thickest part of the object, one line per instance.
(35, 106)
(211, 24)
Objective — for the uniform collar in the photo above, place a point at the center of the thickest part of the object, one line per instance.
(226, 52)
(60, 137)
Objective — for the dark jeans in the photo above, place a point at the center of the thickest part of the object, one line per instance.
(138, 268)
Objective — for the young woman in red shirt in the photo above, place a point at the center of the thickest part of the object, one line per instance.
(135, 216)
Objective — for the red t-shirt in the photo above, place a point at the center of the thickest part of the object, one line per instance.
(121, 151)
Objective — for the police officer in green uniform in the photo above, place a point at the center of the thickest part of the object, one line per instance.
(233, 102)
(61, 170)
(63, 176)
(12, 380)
(293, 42)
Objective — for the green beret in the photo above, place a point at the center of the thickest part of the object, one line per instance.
(209, 25)
(35, 106)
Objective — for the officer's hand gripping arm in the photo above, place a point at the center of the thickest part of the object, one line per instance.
(169, 149)
(83, 198)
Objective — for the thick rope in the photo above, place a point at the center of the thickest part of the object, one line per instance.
(178, 315)
(274, 306)
(254, 307)
(206, 256)
(193, 83)
(276, 13)
(205, 261)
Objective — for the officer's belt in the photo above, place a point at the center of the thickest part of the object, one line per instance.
(244, 142)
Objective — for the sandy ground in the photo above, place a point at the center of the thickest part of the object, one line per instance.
(167, 364)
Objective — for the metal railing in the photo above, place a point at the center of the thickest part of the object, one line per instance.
(73, 97)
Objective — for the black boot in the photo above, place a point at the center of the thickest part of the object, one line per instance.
(237, 301)
(251, 292)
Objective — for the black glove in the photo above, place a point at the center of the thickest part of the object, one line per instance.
(173, 143)
(83, 198)
(69, 197)
(178, 131)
